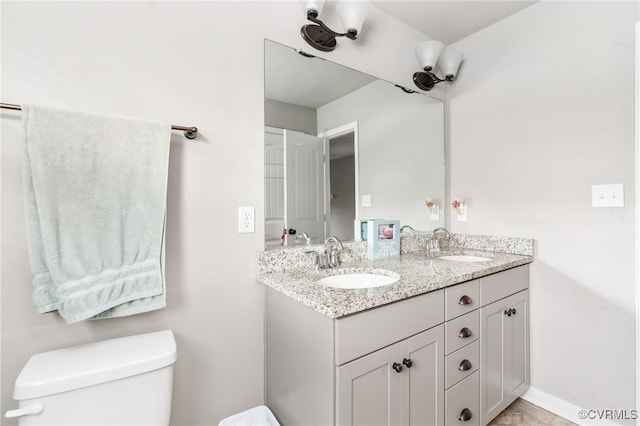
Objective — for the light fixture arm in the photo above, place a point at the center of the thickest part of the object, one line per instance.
(426, 80)
(435, 77)
(312, 16)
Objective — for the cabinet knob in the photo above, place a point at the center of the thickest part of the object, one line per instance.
(513, 311)
(465, 300)
(407, 362)
(464, 333)
(465, 365)
(508, 312)
(465, 415)
(397, 367)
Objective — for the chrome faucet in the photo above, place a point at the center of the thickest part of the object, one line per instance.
(329, 258)
(447, 233)
(432, 244)
(335, 240)
(403, 227)
(303, 235)
(332, 247)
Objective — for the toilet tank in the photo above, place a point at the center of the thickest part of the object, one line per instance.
(124, 381)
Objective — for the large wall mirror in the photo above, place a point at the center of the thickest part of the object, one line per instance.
(342, 145)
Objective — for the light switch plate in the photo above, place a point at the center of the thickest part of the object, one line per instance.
(435, 213)
(607, 195)
(462, 214)
(366, 201)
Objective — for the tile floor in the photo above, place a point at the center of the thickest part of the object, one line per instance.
(524, 413)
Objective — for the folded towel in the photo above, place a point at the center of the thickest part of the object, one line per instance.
(95, 196)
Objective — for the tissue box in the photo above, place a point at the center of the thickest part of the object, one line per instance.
(383, 238)
(360, 229)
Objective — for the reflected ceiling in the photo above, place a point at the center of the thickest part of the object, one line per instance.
(288, 76)
(450, 20)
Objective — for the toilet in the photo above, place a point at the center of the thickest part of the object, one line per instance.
(124, 381)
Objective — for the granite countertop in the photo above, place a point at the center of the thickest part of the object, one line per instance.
(418, 275)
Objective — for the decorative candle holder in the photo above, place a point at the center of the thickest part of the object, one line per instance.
(434, 209)
(461, 208)
(458, 204)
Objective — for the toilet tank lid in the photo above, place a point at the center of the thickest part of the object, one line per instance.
(76, 367)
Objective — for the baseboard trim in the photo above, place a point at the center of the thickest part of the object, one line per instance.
(562, 408)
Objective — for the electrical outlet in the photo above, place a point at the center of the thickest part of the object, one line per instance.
(246, 220)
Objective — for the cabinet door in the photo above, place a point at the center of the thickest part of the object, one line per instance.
(425, 402)
(369, 389)
(519, 344)
(493, 361)
(504, 355)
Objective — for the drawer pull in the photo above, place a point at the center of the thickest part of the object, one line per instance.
(465, 415)
(407, 362)
(465, 300)
(465, 365)
(397, 367)
(464, 333)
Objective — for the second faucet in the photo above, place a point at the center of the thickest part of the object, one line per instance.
(331, 256)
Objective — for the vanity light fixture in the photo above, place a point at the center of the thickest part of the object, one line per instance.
(430, 53)
(321, 37)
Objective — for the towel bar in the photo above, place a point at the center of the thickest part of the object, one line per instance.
(189, 132)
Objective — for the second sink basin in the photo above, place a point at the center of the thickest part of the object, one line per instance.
(465, 258)
(358, 280)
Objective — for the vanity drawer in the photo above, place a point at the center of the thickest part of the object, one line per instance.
(498, 286)
(461, 331)
(359, 334)
(462, 402)
(461, 298)
(462, 363)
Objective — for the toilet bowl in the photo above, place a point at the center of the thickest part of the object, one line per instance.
(124, 381)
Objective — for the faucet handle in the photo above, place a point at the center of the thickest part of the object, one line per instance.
(317, 256)
(333, 259)
(302, 235)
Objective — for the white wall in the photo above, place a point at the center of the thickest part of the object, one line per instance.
(288, 116)
(399, 135)
(196, 63)
(542, 109)
(343, 188)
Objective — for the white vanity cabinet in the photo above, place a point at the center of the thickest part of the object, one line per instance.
(382, 366)
(450, 356)
(504, 319)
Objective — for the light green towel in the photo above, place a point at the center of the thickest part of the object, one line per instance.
(95, 196)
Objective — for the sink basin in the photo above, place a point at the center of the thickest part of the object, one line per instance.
(359, 280)
(465, 258)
